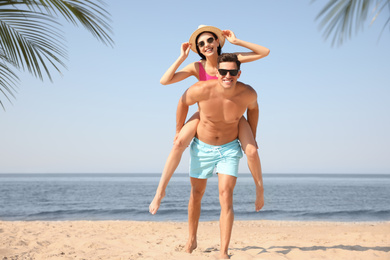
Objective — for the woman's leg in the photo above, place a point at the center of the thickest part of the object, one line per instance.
(182, 141)
(249, 146)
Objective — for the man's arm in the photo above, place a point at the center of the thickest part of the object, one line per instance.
(252, 118)
(181, 114)
(253, 113)
(190, 97)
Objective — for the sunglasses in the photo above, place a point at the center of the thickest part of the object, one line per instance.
(202, 43)
(223, 72)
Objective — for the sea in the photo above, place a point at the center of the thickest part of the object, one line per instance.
(288, 197)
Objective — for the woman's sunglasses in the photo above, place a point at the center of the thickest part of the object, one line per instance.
(223, 72)
(202, 43)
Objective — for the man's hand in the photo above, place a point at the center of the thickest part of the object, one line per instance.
(176, 136)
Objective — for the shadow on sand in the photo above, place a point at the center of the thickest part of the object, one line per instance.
(287, 249)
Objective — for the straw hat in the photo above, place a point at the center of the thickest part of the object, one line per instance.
(206, 28)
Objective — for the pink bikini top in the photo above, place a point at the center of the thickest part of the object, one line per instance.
(203, 76)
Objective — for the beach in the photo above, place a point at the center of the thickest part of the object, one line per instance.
(262, 239)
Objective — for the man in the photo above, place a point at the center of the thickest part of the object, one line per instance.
(222, 103)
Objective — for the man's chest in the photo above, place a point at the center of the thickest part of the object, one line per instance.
(223, 110)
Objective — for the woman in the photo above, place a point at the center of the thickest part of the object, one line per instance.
(207, 41)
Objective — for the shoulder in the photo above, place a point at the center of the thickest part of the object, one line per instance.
(204, 86)
(192, 68)
(247, 89)
(201, 89)
(248, 96)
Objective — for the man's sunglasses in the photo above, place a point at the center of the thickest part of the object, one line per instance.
(202, 43)
(223, 72)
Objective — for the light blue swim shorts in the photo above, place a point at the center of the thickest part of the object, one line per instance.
(205, 158)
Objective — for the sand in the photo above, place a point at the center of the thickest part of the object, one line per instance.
(166, 240)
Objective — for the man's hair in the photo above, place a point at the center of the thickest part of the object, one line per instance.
(219, 49)
(229, 57)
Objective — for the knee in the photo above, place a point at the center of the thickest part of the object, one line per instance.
(197, 194)
(226, 198)
(251, 152)
(179, 144)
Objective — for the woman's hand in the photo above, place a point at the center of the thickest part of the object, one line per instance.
(185, 50)
(230, 36)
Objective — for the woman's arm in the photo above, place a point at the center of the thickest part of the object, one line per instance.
(171, 76)
(258, 51)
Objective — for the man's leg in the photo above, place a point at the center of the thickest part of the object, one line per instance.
(198, 187)
(226, 184)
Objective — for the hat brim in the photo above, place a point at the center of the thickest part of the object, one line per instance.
(203, 29)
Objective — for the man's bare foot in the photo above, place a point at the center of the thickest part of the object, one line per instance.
(224, 256)
(155, 204)
(191, 246)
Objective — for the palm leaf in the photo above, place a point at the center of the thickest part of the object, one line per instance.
(86, 13)
(8, 82)
(380, 9)
(341, 18)
(30, 38)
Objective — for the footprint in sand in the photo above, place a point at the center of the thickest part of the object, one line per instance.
(179, 248)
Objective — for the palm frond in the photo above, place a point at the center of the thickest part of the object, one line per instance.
(86, 13)
(380, 9)
(8, 82)
(342, 17)
(30, 40)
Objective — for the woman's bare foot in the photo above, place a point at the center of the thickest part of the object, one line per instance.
(155, 204)
(191, 246)
(259, 203)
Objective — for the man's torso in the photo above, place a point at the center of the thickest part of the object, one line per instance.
(219, 115)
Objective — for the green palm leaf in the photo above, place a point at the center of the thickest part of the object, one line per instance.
(86, 13)
(8, 82)
(341, 18)
(31, 39)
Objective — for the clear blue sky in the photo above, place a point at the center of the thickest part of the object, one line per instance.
(323, 109)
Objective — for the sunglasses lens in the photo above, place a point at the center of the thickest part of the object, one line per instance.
(209, 40)
(223, 72)
(233, 72)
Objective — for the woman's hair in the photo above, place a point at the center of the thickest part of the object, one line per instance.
(229, 57)
(219, 49)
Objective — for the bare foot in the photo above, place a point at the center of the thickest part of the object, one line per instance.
(155, 204)
(259, 203)
(224, 256)
(191, 246)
